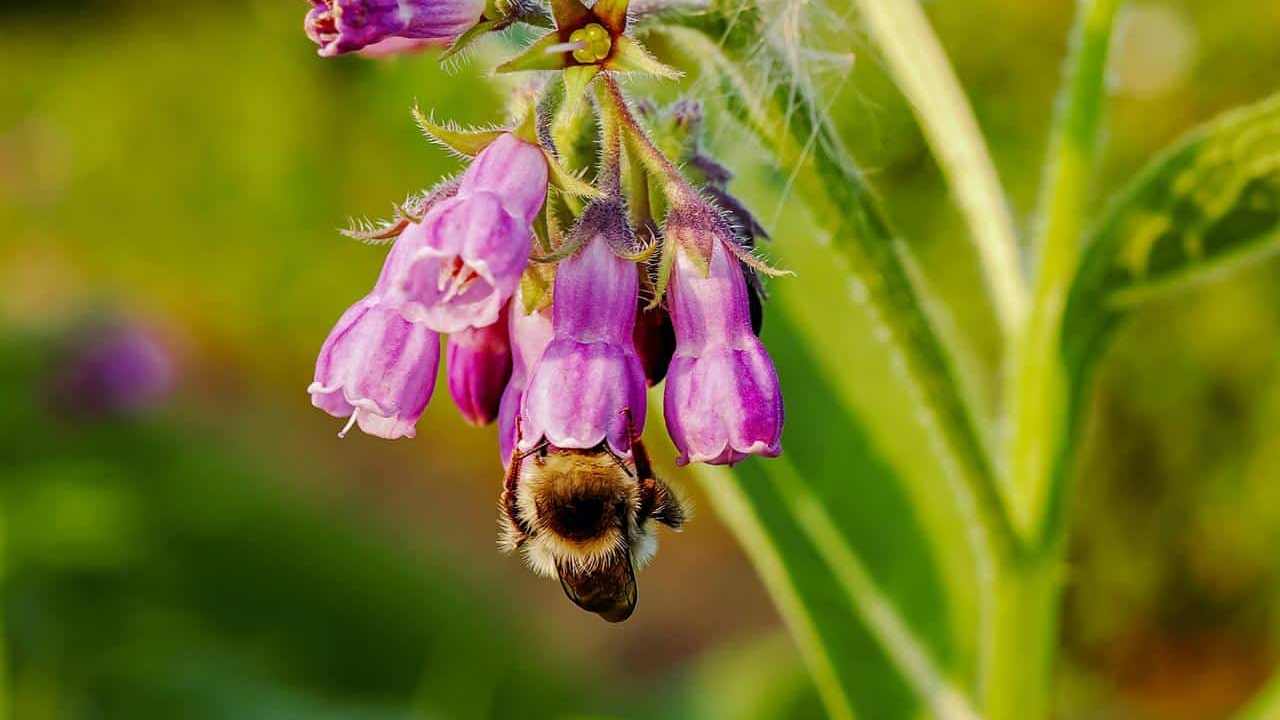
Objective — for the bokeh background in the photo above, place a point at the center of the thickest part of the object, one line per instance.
(192, 540)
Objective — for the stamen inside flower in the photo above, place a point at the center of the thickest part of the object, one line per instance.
(322, 25)
(455, 278)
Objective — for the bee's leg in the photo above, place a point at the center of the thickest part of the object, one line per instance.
(516, 528)
(656, 499)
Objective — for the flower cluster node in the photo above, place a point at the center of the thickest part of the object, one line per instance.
(595, 43)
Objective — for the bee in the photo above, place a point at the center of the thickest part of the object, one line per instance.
(587, 517)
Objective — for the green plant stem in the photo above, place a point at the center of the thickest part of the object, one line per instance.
(1039, 394)
(1018, 679)
(926, 78)
(1018, 671)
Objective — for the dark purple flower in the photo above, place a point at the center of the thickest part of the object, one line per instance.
(722, 400)
(655, 342)
(589, 380)
(377, 368)
(479, 365)
(529, 334)
(343, 26)
(460, 265)
(113, 368)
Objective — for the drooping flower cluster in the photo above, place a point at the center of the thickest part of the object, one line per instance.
(573, 372)
(563, 301)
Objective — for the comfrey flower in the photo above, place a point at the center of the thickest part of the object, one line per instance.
(722, 401)
(589, 386)
(343, 26)
(479, 365)
(377, 368)
(462, 263)
(529, 334)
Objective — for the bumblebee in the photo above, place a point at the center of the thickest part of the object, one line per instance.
(587, 517)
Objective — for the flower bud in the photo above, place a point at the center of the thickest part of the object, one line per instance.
(378, 368)
(343, 26)
(479, 365)
(461, 264)
(529, 335)
(722, 400)
(655, 342)
(589, 385)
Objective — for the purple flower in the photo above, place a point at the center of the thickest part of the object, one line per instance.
(114, 367)
(460, 265)
(479, 366)
(343, 26)
(722, 401)
(590, 379)
(529, 335)
(378, 368)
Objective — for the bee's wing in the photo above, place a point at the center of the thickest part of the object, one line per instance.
(608, 590)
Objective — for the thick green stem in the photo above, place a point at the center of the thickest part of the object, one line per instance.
(1041, 408)
(1023, 639)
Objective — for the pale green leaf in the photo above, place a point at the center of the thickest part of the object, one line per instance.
(837, 542)
(541, 55)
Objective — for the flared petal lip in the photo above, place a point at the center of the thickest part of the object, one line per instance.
(362, 407)
(481, 313)
(731, 456)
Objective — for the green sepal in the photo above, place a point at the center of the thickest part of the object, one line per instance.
(472, 34)
(570, 14)
(463, 142)
(630, 56)
(541, 232)
(566, 182)
(576, 81)
(536, 57)
(527, 128)
(613, 13)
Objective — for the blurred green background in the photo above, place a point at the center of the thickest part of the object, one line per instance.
(216, 552)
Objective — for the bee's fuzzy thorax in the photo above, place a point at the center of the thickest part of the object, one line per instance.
(581, 507)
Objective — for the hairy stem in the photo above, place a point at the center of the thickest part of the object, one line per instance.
(925, 76)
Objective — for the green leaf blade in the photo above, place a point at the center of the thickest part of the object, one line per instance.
(1212, 199)
(836, 540)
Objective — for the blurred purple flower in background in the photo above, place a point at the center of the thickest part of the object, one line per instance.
(113, 367)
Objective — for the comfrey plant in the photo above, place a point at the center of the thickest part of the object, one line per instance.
(592, 248)
(563, 299)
